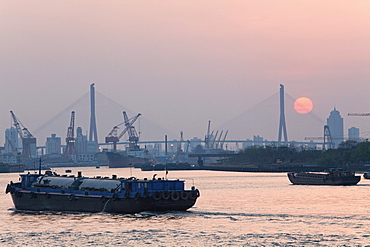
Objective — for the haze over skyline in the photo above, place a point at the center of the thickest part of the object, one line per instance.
(182, 63)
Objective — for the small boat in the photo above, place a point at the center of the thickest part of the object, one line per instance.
(169, 166)
(335, 176)
(52, 192)
(9, 168)
(367, 175)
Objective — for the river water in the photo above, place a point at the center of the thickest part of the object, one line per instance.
(234, 209)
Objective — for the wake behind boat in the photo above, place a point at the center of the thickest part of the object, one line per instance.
(335, 176)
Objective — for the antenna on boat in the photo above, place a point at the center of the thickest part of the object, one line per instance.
(130, 169)
(165, 168)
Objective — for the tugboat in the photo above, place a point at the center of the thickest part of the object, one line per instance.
(52, 192)
(335, 176)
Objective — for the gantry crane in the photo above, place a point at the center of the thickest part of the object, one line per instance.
(114, 138)
(359, 115)
(27, 138)
(223, 141)
(70, 140)
(219, 139)
(211, 140)
(328, 139)
(133, 137)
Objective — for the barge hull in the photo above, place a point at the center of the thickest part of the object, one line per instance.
(40, 201)
(323, 180)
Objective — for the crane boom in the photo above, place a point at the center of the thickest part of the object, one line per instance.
(358, 114)
(207, 138)
(27, 138)
(23, 132)
(214, 139)
(70, 140)
(70, 130)
(219, 139)
(114, 138)
(14, 150)
(223, 141)
(129, 122)
(133, 137)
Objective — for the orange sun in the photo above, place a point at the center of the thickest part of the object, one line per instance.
(303, 105)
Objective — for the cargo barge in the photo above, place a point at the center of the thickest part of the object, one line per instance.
(122, 159)
(9, 168)
(51, 192)
(334, 177)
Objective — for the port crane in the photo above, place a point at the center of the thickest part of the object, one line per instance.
(223, 141)
(211, 140)
(328, 139)
(359, 115)
(207, 137)
(70, 140)
(28, 140)
(219, 139)
(133, 137)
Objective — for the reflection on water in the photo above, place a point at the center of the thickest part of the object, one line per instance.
(250, 209)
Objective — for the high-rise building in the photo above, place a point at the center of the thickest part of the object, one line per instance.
(354, 134)
(11, 140)
(335, 123)
(53, 144)
(81, 141)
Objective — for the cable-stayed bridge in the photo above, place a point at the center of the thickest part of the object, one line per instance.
(108, 114)
(261, 119)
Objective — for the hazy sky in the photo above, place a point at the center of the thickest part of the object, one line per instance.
(182, 63)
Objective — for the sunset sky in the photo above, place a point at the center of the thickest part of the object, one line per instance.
(182, 63)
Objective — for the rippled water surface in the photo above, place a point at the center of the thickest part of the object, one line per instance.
(234, 209)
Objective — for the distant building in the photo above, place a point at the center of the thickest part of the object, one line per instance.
(195, 142)
(85, 149)
(157, 148)
(53, 144)
(247, 143)
(311, 145)
(258, 140)
(354, 134)
(335, 123)
(80, 141)
(11, 140)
